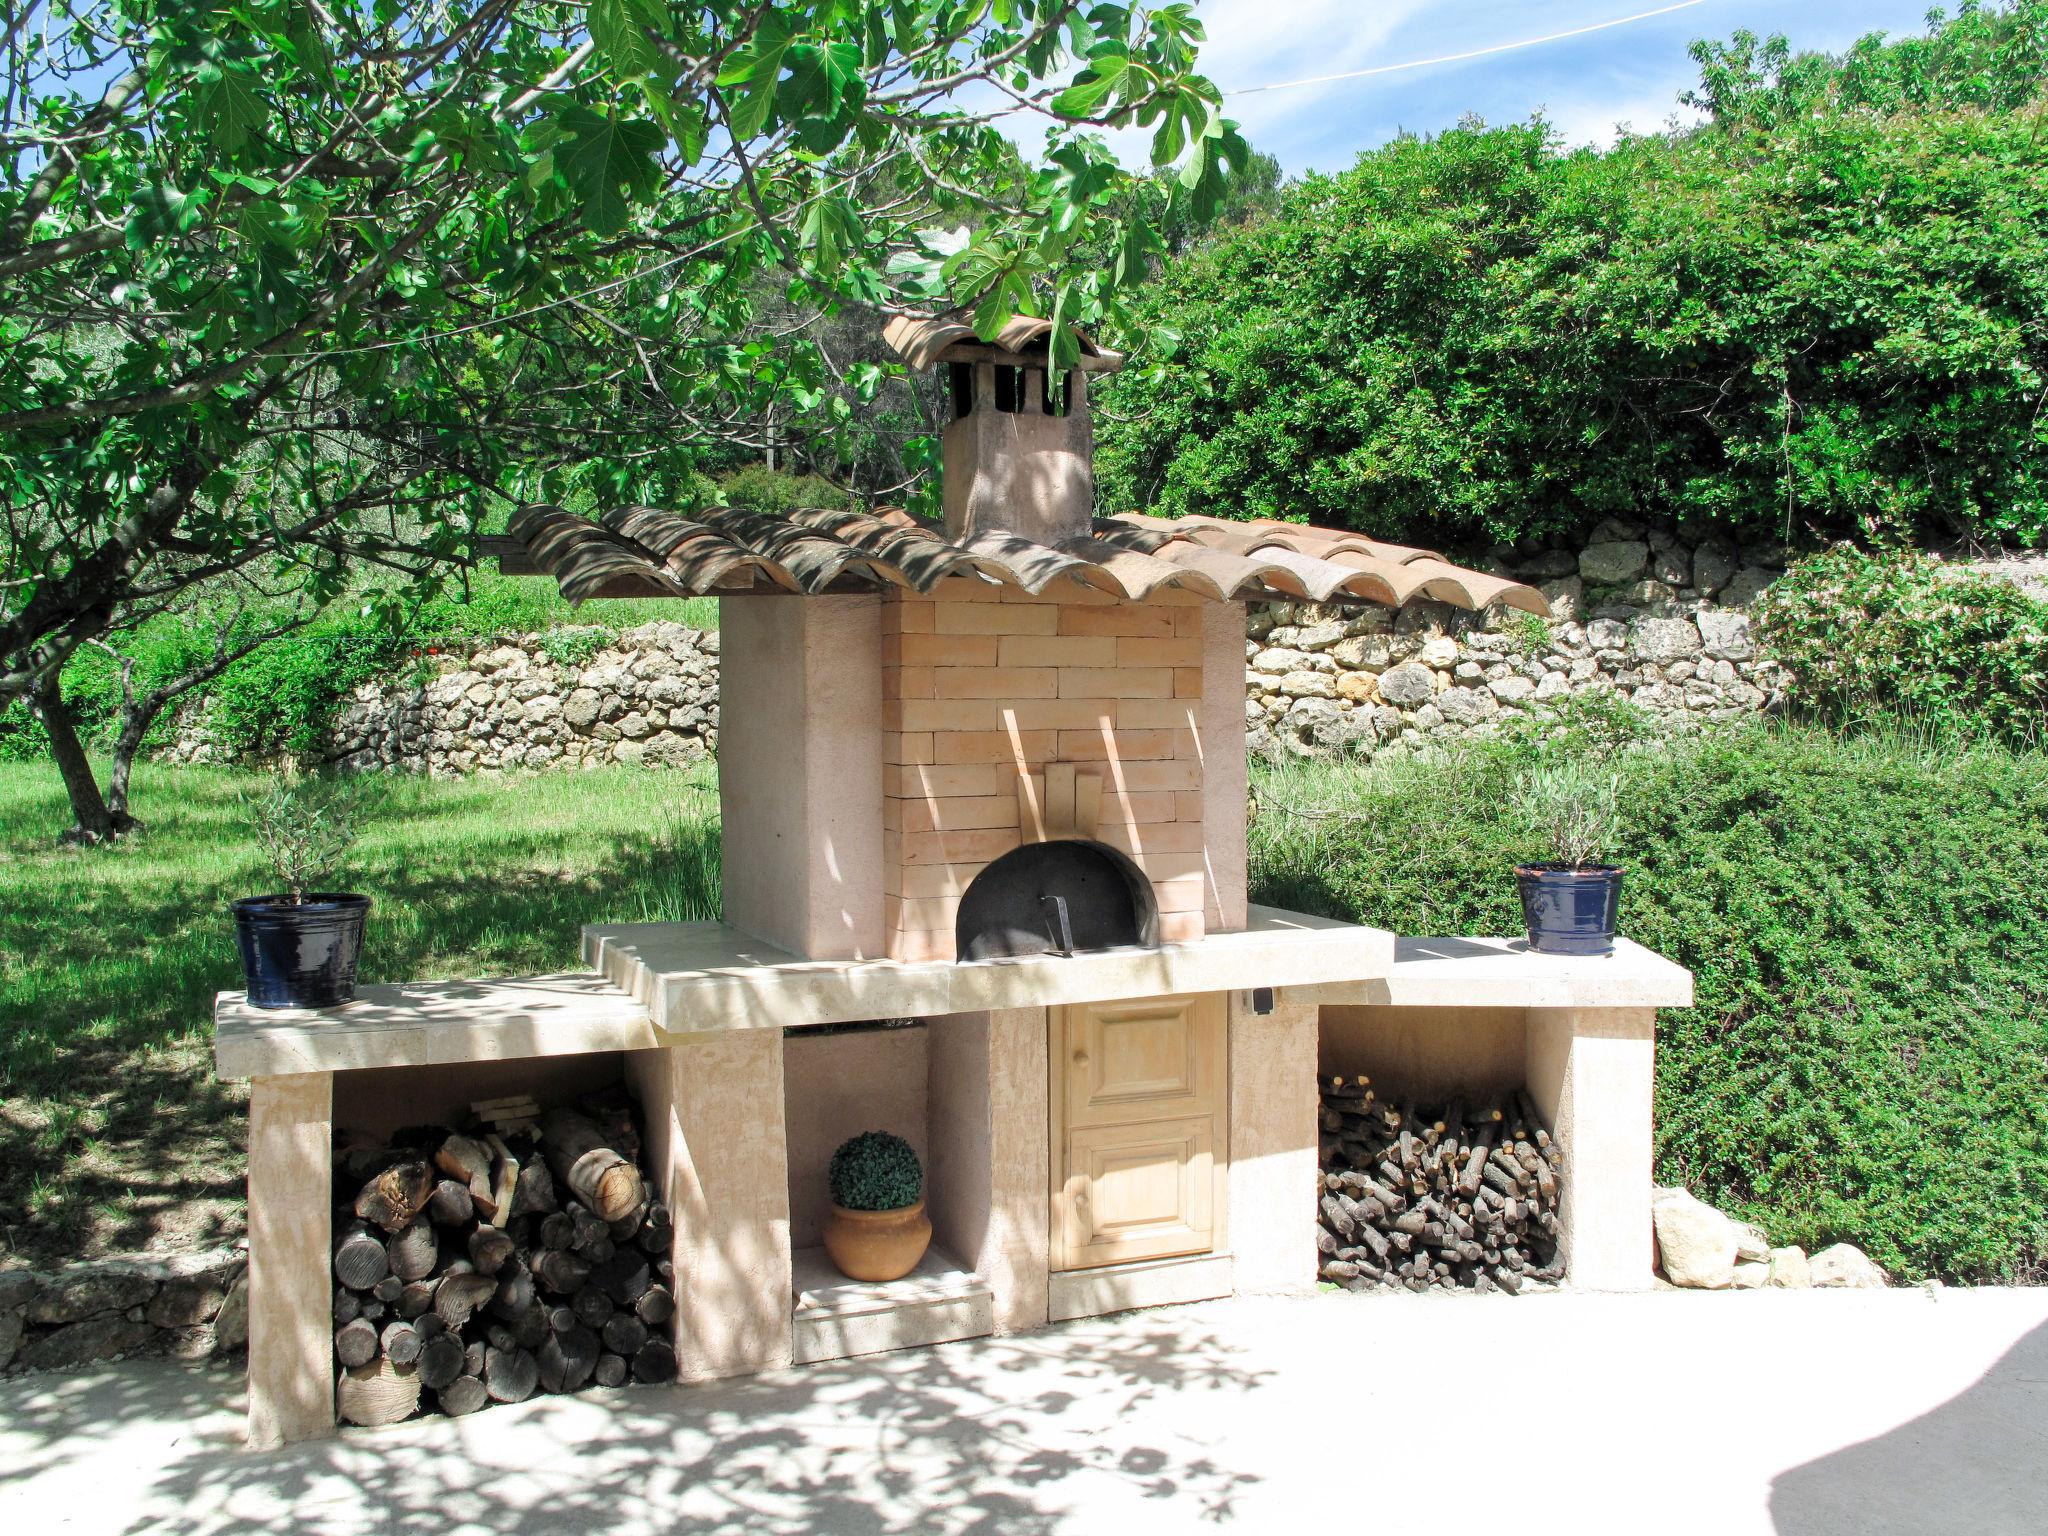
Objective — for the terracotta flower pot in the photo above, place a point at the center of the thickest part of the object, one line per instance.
(877, 1245)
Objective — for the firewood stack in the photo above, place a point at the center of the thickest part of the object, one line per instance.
(482, 1267)
(1461, 1199)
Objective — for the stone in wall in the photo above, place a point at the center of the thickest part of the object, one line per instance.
(1639, 612)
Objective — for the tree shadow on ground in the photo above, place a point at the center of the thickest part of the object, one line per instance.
(1973, 1464)
(993, 1435)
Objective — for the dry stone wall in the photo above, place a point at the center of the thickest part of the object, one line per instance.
(572, 699)
(1640, 613)
(188, 1305)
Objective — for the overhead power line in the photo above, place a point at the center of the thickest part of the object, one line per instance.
(1476, 53)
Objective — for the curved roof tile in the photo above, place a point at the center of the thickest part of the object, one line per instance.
(648, 552)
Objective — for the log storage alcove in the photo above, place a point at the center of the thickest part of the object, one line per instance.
(938, 742)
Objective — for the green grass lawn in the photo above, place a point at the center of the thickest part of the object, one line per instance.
(113, 1132)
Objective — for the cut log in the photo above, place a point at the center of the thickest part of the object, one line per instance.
(460, 1294)
(510, 1375)
(624, 1334)
(440, 1361)
(504, 1178)
(469, 1163)
(388, 1290)
(591, 1307)
(515, 1292)
(623, 1277)
(450, 1206)
(379, 1393)
(401, 1344)
(558, 1231)
(473, 1358)
(489, 1248)
(355, 1343)
(655, 1306)
(588, 1167)
(348, 1306)
(536, 1192)
(413, 1250)
(395, 1196)
(416, 1300)
(611, 1371)
(465, 1394)
(561, 1274)
(359, 1258)
(570, 1358)
(654, 1362)
(530, 1328)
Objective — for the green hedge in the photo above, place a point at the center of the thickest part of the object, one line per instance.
(1870, 635)
(1867, 920)
(1821, 312)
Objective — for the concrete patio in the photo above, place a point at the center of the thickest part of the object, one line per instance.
(1801, 1413)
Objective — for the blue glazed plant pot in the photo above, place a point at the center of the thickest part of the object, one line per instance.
(300, 954)
(1570, 911)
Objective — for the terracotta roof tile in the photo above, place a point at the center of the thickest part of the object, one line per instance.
(647, 552)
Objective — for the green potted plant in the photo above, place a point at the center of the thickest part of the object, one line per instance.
(1570, 901)
(300, 944)
(878, 1229)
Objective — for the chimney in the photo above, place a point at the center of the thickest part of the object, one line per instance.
(1018, 454)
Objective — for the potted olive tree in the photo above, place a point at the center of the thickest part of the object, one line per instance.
(300, 944)
(1570, 902)
(878, 1229)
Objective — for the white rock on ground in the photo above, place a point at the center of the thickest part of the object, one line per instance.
(1789, 1269)
(1847, 1267)
(1696, 1243)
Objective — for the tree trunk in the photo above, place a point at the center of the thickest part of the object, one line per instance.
(135, 723)
(94, 821)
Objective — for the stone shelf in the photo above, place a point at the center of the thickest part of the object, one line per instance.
(837, 1318)
(1506, 973)
(706, 976)
(430, 1023)
(664, 979)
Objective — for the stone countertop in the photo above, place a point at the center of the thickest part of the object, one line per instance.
(705, 976)
(1506, 973)
(659, 980)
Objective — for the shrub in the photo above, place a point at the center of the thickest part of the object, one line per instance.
(305, 828)
(875, 1171)
(1870, 635)
(1573, 806)
(1867, 924)
(1821, 316)
(770, 490)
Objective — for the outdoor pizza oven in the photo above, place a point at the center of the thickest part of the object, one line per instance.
(1061, 898)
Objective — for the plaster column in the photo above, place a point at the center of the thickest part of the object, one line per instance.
(1591, 1072)
(714, 1111)
(1273, 1167)
(991, 1159)
(1225, 773)
(291, 1290)
(800, 772)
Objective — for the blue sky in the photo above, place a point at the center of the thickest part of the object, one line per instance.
(1586, 85)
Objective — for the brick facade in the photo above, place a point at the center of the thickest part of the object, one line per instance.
(984, 684)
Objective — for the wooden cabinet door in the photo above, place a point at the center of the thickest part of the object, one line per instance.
(1139, 1129)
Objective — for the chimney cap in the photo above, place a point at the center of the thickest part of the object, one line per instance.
(923, 341)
